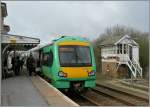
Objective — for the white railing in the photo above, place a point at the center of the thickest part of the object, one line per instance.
(123, 57)
(132, 67)
(137, 65)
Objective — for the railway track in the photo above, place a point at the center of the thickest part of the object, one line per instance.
(91, 98)
(123, 97)
(101, 99)
(76, 97)
(79, 99)
(106, 96)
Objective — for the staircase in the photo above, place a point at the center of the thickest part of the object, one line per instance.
(133, 65)
(135, 68)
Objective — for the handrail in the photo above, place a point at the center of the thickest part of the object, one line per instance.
(132, 66)
(138, 67)
(137, 64)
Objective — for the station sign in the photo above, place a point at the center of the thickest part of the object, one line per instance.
(12, 40)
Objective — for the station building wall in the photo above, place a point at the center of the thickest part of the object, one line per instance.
(110, 69)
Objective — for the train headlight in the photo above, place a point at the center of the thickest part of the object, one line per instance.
(62, 74)
(92, 73)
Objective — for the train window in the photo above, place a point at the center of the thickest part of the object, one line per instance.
(50, 59)
(45, 59)
(75, 56)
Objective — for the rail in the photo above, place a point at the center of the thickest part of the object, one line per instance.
(125, 97)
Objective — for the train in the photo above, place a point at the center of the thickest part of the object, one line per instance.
(68, 62)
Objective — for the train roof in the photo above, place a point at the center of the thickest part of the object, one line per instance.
(71, 38)
(40, 46)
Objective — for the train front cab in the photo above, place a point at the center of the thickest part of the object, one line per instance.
(77, 65)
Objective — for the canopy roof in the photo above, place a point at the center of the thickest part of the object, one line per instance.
(20, 43)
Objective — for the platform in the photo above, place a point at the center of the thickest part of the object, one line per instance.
(31, 91)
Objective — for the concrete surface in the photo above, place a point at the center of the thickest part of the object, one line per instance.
(52, 95)
(31, 91)
(19, 91)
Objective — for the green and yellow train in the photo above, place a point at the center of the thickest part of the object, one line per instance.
(68, 61)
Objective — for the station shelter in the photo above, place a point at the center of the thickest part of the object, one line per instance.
(15, 43)
(12, 43)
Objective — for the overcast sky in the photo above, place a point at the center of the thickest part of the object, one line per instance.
(46, 19)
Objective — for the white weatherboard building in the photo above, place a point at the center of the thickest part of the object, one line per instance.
(120, 57)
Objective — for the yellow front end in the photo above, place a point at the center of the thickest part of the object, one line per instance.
(75, 75)
(76, 72)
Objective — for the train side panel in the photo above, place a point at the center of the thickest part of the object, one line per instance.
(51, 70)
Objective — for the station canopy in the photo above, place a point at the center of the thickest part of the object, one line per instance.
(18, 43)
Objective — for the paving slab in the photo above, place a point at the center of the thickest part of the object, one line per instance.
(20, 91)
(52, 95)
(31, 91)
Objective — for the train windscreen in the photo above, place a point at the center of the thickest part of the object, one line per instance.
(74, 56)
